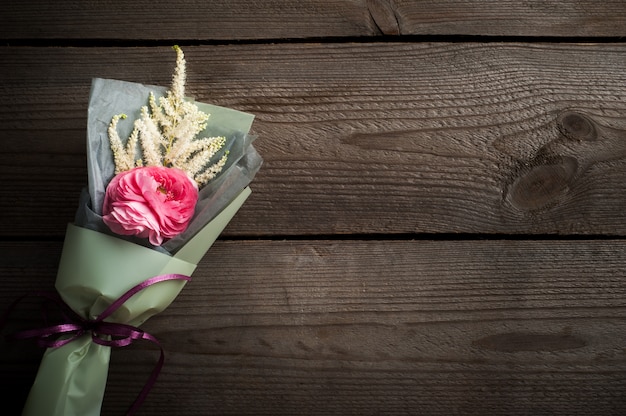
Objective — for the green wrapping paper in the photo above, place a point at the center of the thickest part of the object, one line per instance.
(95, 270)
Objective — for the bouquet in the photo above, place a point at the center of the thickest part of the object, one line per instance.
(161, 190)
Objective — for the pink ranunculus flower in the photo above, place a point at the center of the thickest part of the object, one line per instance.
(151, 202)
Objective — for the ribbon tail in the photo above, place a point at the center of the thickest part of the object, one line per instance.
(151, 380)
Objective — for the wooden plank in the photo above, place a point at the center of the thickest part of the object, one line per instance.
(357, 138)
(369, 327)
(279, 19)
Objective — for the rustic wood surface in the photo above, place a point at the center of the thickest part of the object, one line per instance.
(226, 20)
(438, 227)
(421, 327)
(471, 138)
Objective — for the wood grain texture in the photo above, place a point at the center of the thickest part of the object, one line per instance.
(323, 303)
(421, 327)
(285, 19)
(391, 138)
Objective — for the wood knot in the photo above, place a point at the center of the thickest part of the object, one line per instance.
(577, 126)
(384, 16)
(543, 184)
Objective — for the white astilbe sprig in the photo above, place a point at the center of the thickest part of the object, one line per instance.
(124, 158)
(166, 132)
(150, 139)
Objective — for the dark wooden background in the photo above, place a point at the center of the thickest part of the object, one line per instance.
(438, 228)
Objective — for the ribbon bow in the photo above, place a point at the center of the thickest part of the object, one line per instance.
(109, 334)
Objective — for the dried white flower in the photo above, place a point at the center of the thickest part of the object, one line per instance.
(167, 133)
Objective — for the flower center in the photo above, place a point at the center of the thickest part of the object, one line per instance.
(168, 194)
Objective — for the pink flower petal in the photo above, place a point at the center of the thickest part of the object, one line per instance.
(150, 202)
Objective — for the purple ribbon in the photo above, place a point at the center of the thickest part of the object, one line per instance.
(109, 334)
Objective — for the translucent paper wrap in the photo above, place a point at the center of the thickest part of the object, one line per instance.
(97, 266)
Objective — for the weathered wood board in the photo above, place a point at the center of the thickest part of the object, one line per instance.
(357, 138)
(226, 20)
(422, 327)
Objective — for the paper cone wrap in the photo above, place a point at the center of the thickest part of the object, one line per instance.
(95, 270)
